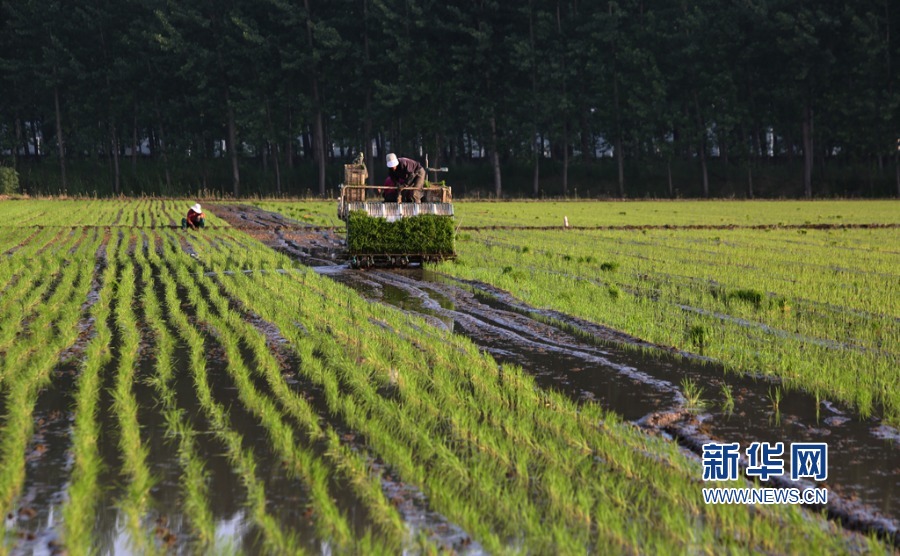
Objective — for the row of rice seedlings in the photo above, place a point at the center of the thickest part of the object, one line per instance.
(67, 213)
(52, 330)
(194, 477)
(31, 341)
(456, 475)
(366, 486)
(79, 511)
(274, 538)
(20, 301)
(672, 213)
(330, 522)
(12, 238)
(37, 244)
(860, 377)
(318, 373)
(125, 406)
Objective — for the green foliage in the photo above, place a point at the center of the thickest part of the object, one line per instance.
(425, 234)
(693, 395)
(9, 181)
(747, 295)
(698, 335)
(609, 266)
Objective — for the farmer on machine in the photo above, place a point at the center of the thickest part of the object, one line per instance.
(195, 218)
(406, 172)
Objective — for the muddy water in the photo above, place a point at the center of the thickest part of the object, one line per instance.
(864, 456)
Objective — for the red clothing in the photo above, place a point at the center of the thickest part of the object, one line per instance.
(194, 218)
(389, 194)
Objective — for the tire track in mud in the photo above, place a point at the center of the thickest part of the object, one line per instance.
(634, 378)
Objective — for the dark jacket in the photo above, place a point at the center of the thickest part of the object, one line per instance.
(406, 171)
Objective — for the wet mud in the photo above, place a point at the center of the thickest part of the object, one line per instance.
(633, 378)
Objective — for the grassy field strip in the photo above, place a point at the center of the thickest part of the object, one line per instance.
(819, 317)
(194, 478)
(25, 240)
(274, 538)
(631, 213)
(646, 298)
(133, 453)
(39, 244)
(68, 213)
(53, 330)
(78, 513)
(701, 288)
(719, 276)
(434, 412)
(330, 522)
(14, 237)
(719, 253)
(676, 213)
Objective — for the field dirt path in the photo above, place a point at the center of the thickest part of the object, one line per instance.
(639, 381)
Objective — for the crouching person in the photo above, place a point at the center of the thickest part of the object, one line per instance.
(390, 192)
(195, 218)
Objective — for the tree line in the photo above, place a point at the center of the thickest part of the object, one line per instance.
(710, 97)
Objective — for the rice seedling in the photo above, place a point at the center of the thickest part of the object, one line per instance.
(693, 395)
(728, 399)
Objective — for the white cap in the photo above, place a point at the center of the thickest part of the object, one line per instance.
(392, 161)
(196, 208)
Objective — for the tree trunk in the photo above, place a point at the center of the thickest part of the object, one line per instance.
(18, 142)
(134, 142)
(34, 136)
(114, 145)
(318, 124)
(367, 116)
(289, 151)
(701, 130)
(274, 143)
(702, 152)
(60, 141)
(808, 152)
(368, 151)
(620, 164)
(162, 147)
(536, 181)
(669, 175)
(749, 180)
(620, 155)
(897, 170)
(233, 147)
(587, 149)
(495, 158)
(565, 169)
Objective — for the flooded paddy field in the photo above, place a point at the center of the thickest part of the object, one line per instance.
(166, 391)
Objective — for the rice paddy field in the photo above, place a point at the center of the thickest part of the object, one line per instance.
(169, 391)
